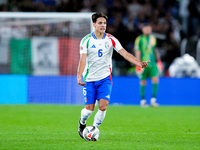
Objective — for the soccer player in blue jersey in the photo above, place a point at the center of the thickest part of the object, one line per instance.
(95, 65)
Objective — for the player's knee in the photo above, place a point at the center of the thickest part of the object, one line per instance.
(155, 80)
(143, 82)
(102, 108)
(89, 107)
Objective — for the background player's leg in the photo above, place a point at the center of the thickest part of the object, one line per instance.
(153, 100)
(143, 102)
(142, 89)
(101, 113)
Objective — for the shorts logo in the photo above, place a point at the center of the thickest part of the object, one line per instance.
(81, 48)
(108, 96)
(85, 99)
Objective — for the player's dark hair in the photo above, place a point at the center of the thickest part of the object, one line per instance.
(146, 25)
(98, 15)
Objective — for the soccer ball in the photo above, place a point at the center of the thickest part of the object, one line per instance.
(91, 133)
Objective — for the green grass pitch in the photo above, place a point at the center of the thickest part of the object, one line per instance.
(55, 127)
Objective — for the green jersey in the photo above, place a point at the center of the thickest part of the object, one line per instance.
(146, 45)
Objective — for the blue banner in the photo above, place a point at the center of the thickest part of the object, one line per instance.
(13, 89)
(171, 91)
(54, 89)
(20, 89)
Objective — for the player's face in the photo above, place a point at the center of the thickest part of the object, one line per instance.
(100, 25)
(147, 30)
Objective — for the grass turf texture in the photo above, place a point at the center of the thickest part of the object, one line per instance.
(55, 127)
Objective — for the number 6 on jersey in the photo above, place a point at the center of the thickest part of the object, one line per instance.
(100, 54)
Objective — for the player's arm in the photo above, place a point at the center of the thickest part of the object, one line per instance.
(129, 57)
(81, 67)
(157, 55)
(159, 62)
(136, 48)
(137, 51)
(138, 56)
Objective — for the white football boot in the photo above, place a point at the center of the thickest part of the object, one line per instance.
(143, 103)
(153, 102)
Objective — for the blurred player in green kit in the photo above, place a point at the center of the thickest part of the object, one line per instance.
(145, 50)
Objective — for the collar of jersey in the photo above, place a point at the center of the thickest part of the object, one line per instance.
(146, 36)
(96, 38)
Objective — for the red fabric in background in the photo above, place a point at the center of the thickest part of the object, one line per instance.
(69, 55)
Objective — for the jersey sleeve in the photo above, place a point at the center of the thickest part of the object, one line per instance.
(116, 44)
(84, 44)
(153, 41)
(137, 44)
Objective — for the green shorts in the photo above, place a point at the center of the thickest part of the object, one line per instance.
(150, 71)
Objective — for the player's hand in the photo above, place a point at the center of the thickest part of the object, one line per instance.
(79, 81)
(159, 65)
(144, 64)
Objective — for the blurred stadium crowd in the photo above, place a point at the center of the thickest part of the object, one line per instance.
(172, 22)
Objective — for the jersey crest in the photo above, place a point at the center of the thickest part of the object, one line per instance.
(107, 44)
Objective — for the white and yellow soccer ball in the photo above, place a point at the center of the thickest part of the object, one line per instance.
(91, 133)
